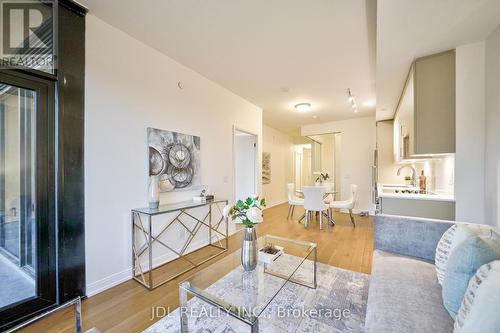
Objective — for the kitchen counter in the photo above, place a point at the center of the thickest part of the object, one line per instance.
(388, 191)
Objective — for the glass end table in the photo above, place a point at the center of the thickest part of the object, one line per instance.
(244, 295)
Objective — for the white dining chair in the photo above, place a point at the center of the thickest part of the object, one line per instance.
(330, 188)
(293, 200)
(314, 202)
(346, 204)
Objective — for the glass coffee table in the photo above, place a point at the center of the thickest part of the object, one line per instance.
(243, 295)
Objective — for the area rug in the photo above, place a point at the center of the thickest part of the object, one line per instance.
(338, 304)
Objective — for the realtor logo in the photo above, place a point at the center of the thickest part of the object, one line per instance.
(27, 34)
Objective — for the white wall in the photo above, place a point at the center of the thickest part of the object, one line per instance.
(470, 134)
(492, 164)
(245, 165)
(356, 155)
(280, 145)
(129, 87)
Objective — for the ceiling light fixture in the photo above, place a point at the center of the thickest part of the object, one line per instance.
(350, 98)
(303, 107)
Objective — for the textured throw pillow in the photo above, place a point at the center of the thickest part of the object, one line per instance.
(455, 235)
(443, 251)
(479, 309)
(463, 263)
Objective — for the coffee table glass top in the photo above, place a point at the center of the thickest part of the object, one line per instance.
(245, 295)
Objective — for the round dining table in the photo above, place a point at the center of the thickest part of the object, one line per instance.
(327, 193)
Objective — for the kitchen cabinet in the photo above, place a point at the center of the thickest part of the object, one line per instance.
(424, 124)
(404, 121)
(432, 209)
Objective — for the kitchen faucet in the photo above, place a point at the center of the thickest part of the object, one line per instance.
(413, 174)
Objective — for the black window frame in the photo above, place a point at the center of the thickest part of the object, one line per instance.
(46, 255)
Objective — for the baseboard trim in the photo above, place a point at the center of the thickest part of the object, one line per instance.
(273, 204)
(357, 211)
(115, 279)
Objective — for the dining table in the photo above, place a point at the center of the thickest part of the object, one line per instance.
(327, 193)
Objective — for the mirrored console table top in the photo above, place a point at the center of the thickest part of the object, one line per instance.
(171, 207)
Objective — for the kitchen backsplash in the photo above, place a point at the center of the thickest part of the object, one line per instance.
(440, 173)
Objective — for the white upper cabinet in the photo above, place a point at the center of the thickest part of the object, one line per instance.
(424, 123)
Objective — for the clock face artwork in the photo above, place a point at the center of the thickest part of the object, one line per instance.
(175, 159)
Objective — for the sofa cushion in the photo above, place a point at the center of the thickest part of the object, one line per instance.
(451, 238)
(479, 309)
(480, 312)
(404, 296)
(463, 263)
(443, 251)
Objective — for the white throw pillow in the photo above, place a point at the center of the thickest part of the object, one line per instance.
(479, 309)
(451, 238)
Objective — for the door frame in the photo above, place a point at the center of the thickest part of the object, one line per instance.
(46, 281)
(256, 159)
(296, 154)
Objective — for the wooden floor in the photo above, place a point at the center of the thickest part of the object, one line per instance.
(127, 307)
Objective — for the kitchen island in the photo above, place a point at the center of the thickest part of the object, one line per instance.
(406, 200)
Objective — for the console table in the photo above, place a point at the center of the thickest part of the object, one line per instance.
(145, 239)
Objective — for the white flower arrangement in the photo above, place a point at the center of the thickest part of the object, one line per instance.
(248, 212)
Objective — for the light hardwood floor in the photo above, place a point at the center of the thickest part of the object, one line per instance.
(127, 307)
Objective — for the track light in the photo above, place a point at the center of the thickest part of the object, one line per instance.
(350, 98)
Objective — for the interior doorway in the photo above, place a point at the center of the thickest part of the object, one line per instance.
(245, 164)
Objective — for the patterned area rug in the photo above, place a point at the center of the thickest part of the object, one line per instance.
(338, 304)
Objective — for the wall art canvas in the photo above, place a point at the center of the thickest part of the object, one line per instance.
(266, 168)
(175, 159)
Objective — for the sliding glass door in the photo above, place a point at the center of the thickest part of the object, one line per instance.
(17, 181)
(27, 251)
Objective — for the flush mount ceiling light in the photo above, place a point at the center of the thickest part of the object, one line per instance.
(303, 107)
(350, 98)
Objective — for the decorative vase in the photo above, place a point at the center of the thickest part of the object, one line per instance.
(249, 249)
(154, 192)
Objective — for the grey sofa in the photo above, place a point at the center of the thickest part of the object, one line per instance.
(404, 294)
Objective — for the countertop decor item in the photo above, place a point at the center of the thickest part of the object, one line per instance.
(249, 213)
(154, 192)
(199, 198)
(269, 253)
(322, 177)
(249, 249)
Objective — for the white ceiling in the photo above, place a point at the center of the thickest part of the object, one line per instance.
(273, 53)
(408, 29)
